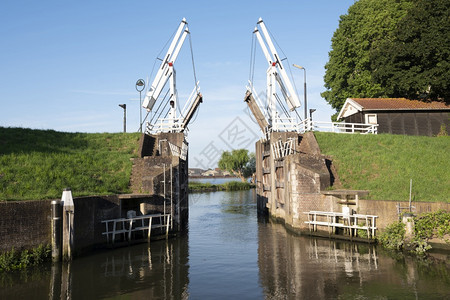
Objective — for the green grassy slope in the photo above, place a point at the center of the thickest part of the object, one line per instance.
(39, 164)
(384, 164)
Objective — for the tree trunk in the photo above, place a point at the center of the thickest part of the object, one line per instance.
(240, 175)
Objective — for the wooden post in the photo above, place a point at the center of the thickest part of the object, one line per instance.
(68, 214)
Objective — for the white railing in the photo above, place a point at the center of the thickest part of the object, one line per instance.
(177, 151)
(309, 125)
(280, 149)
(285, 124)
(165, 125)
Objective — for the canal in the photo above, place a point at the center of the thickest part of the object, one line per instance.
(229, 253)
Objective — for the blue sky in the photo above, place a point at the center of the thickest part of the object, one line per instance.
(67, 65)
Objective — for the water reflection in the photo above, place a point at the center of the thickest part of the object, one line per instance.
(355, 257)
(156, 271)
(293, 267)
(229, 253)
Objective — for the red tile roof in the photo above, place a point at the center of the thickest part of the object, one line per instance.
(398, 103)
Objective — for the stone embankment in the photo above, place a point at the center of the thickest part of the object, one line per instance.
(294, 178)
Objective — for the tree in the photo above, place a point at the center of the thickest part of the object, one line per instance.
(238, 162)
(348, 71)
(414, 62)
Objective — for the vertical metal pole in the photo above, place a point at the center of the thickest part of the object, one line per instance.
(140, 111)
(410, 192)
(171, 199)
(124, 106)
(124, 118)
(56, 230)
(164, 188)
(304, 88)
(140, 86)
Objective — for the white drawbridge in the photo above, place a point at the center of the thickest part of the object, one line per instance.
(171, 118)
(272, 114)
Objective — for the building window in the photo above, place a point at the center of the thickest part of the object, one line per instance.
(371, 119)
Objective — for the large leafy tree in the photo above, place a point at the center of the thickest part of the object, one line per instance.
(239, 162)
(348, 71)
(414, 62)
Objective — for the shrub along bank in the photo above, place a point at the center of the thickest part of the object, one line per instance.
(426, 227)
(195, 186)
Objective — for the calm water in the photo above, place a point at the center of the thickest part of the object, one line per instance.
(229, 253)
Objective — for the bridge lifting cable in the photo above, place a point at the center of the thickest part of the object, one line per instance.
(252, 59)
(283, 108)
(161, 102)
(193, 64)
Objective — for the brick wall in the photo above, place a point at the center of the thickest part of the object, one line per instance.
(24, 224)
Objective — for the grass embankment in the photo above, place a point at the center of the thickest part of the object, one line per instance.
(195, 186)
(39, 164)
(384, 164)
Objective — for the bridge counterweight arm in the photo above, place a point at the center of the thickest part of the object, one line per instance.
(164, 72)
(273, 59)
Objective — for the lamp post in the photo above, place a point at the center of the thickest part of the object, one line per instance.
(304, 88)
(124, 106)
(140, 85)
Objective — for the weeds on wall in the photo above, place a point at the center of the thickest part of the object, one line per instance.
(15, 260)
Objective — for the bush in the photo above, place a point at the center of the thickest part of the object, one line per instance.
(237, 186)
(393, 237)
(427, 226)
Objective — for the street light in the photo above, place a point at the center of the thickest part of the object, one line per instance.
(124, 106)
(304, 70)
(140, 86)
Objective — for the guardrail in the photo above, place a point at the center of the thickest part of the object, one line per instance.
(333, 220)
(126, 226)
(310, 125)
